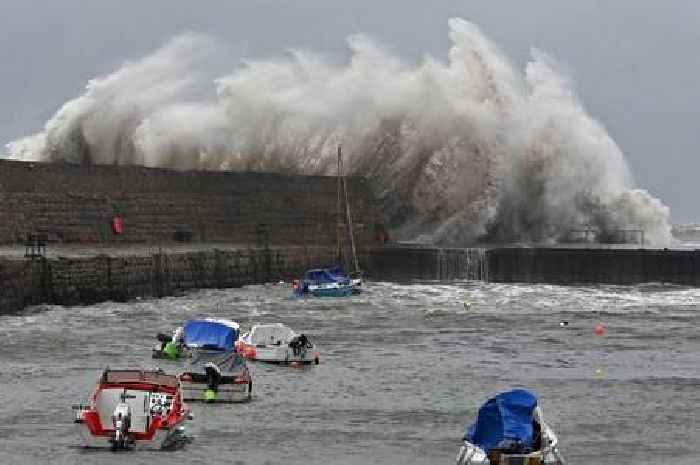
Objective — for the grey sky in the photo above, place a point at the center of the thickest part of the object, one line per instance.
(635, 62)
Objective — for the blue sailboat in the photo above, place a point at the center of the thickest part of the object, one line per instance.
(334, 281)
(320, 282)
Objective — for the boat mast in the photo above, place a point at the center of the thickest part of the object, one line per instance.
(338, 214)
(348, 212)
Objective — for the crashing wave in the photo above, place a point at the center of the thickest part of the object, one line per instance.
(458, 151)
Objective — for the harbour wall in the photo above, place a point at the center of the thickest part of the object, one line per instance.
(113, 275)
(594, 266)
(539, 265)
(68, 203)
(234, 229)
(78, 280)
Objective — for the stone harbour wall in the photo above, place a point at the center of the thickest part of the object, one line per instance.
(69, 203)
(594, 266)
(85, 280)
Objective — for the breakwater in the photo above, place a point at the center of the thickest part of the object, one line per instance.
(539, 265)
(68, 203)
(188, 230)
(72, 280)
(594, 266)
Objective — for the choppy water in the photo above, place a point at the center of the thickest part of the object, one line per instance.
(404, 369)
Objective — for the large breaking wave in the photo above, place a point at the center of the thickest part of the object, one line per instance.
(458, 151)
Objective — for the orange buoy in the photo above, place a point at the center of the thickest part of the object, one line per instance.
(600, 329)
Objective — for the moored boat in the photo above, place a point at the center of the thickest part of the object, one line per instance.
(187, 337)
(215, 372)
(133, 408)
(320, 282)
(277, 343)
(510, 430)
(355, 278)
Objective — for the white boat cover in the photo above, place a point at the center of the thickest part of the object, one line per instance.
(271, 334)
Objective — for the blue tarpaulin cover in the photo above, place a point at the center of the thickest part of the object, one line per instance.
(210, 334)
(321, 276)
(508, 416)
(337, 270)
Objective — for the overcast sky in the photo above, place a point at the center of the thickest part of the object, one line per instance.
(636, 63)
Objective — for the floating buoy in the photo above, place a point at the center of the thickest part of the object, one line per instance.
(600, 329)
(599, 373)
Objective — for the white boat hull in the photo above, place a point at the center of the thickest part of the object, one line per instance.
(284, 355)
(470, 454)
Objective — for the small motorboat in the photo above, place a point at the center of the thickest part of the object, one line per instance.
(215, 372)
(133, 408)
(510, 430)
(186, 337)
(277, 343)
(320, 282)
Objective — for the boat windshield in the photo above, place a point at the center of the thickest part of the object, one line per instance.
(271, 335)
(227, 363)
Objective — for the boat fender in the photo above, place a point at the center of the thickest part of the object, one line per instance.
(171, 350)
(209, 396)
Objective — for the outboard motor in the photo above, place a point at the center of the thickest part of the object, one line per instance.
(213, 373)
(299, 344)
(121, 419)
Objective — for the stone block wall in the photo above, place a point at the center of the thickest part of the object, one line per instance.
(594, 266)
(85, 280)
(75, 204)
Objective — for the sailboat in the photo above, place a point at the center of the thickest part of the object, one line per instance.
(334, 281)
(355, 275)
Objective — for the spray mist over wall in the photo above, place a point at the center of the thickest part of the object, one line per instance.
(471, 149)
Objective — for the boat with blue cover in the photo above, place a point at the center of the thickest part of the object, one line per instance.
(510, 430)
(215, 371)
(334, 281)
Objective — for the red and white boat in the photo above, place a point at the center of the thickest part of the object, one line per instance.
(133, 408)
(277, 343)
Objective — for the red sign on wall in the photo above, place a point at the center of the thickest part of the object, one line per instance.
(117, 225)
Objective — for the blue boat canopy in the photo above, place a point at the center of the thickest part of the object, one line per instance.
(321, 276)
(337, 270)
(505, 421)
(211, 334)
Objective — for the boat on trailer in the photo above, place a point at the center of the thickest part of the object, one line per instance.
(215, 372)
(510, 430)
(277, 343)
(133, 409)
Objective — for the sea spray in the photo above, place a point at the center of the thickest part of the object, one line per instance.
(458, 151)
